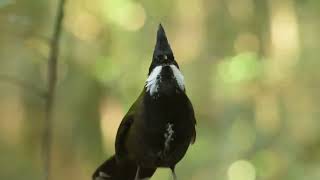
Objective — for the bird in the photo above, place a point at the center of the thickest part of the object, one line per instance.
(160, 125)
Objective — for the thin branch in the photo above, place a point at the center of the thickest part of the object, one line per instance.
(52, 79)
(23, 84)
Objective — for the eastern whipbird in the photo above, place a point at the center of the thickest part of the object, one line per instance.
(159, 126)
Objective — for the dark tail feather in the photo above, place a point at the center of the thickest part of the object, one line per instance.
(111, 169)
(106, 170)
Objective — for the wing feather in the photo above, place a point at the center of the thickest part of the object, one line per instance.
(193, 118)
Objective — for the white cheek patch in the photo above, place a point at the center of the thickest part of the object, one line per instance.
(178, 76)
(152, 83)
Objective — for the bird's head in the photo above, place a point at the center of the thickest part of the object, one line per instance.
(164, 74)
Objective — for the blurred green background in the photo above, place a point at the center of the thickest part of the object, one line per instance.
(251, 69)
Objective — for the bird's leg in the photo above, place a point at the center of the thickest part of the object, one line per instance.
(137, 173)
(173, 173)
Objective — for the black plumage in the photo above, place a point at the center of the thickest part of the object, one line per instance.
(159, 126)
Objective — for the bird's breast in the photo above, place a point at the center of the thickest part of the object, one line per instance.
(166, 130)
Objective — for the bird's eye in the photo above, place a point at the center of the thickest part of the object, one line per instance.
(161, 58)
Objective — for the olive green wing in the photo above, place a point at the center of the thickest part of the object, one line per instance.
(124, 128)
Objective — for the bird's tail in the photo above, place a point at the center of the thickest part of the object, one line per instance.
(112, 169)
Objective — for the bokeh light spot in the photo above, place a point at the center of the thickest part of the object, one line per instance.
(241, 170)
(111, 113)
(83, 25)
(243, 67)
(127, 14)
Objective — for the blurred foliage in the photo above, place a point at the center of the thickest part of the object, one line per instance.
(251, 69)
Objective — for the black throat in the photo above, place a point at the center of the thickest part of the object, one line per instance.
(168, 85)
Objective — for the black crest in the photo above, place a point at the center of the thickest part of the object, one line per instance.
(162, 53)
(162, 45)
